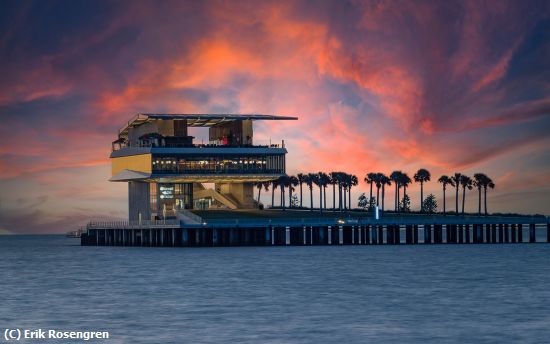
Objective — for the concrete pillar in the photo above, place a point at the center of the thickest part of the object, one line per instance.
(494, 233)
(449, 235)
(397, 236)
(329, 235)
(487, 233)
(389, 234)
(415, 234)
(520, 233)
(467, 234)
(513, 233)
(340, 235)
(506, 233)
(408, 234)
(548, 232)
(380, 234)
(427, 234)
(532, 233)
(501, 233)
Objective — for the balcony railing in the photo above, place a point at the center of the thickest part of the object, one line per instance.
(117, 147)
(218, 171)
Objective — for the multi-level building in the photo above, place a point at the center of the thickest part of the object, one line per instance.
(165, 170)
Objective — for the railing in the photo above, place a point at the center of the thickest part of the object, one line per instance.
(133, 224)
(248, 222)
(181, 145)
(190, 215)
(218, 171)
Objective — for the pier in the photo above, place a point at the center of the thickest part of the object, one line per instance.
(440, 230)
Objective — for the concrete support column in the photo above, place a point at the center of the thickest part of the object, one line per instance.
(415, 234)
(513, 233)
(427, 234)
(494, 233)
(520, 233)
(548, 232)
(506, 233)
(532, 233)
(380, 234)
(340, 235)
(501, 233)
(408, 234)
(329, 235)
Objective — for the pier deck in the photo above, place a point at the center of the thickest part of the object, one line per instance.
(394, 230)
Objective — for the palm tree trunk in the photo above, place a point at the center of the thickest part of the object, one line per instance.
(339, 196)
(345, 198)
(301, 195)
(398, 194)
(383, 195)
(485, 197)
(457, 186)
(333, 197)
(260, 189)
(370, 191)
(377, 195)
(283, 197)
(272, 196)
(421, 196)
(290, 196)
(349, 197)
(479, 201)
(325, 197)
(311, 198)
(395, 200)
(443, 199)
(463, 198)
(320, 197)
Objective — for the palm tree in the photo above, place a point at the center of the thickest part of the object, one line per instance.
(370, 178)
(384, 180)
(340, 184)
(261, 185)
(292, 182)
(421, 176)
(395, 176)
(284, 181)
(456, 181)
(465, 182)
(405, 181)
(301, 179)
(324, 180)
(378, 184)
(333, 182)
(309, 182)
(275, 184)
(317, 181)
(345, 182)
(479, 180)
(353, 181)
(489, 183)
(445, 180)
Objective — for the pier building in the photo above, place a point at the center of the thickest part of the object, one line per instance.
(166, 169)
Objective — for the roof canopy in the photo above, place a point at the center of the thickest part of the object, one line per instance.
(199, 120)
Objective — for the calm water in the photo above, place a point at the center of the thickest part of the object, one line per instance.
(351, 294)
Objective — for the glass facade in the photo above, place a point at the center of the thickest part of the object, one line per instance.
(219, 164)
(167, 198)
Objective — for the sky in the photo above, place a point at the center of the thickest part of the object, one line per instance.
(450, 86)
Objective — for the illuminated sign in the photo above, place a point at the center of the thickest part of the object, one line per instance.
(166, 192)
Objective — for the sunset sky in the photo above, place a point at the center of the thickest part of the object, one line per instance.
(378, 86)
